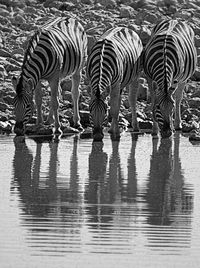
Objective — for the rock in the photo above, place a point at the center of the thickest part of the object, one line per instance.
(18, 19)
(126, 11)
(3, 72)
(39, 130)
(107, 3)
(143, 90)
(67, 96)
(188, 127)
(196, 75)
(4, 53)
(66, 85)
(86, 134)
(5, 127)
(145, 35)
(196, 94)
(85, 118)
(68, 6)
(194, 102)
(145, 124)
(3, 106)
(197, 40)
(194, 137)
(66, 129)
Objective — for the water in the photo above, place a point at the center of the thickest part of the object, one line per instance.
(74, 203)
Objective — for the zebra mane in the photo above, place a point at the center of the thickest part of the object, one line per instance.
(32, 43)
(19, 87)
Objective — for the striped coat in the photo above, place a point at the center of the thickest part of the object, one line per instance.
(169, 61)
(114, 63)
(57, 50)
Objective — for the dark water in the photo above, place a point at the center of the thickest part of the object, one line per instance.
(74, 203)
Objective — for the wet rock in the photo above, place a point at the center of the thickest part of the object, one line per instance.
(67, 129)
(86, 134)
(191, 114)
(188, 127)
(194, 137)
(5, 127)
(145, 124)
(85, 118)
(39, 130)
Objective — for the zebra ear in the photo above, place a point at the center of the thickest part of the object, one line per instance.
(29, 86)
(14, 82)
(154, 86)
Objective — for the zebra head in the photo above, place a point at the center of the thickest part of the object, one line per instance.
(98, 115)
(163, 110)
(23, 104)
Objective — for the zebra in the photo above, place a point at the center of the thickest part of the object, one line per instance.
(113, 63)
(169, 60)
(55, 51)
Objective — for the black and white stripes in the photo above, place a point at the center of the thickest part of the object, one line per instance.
(113, 64)
(57, 50)
(169, 61)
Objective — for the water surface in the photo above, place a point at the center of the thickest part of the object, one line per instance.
(75, 203)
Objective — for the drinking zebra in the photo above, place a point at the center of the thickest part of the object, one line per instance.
(169, 61)
(113, 63)
(57, 50)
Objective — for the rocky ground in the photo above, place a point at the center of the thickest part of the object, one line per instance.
(20, 18)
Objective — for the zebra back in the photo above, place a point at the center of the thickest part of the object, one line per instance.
(114, 59)
(60, 45)
(170, 55)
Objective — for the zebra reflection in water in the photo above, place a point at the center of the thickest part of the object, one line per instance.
(40, 189)
(167, 196)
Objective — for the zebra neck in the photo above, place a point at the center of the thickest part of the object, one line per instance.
(25, 86)
(28, 76)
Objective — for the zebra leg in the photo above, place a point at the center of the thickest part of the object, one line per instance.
(152, 94)
(38, 102)
(178, 98)
(76, 78)
(54, 84)
(132, 91)
(115, 101)
(50, 119)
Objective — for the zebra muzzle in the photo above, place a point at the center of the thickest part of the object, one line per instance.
(98, 134)
(19, 129)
